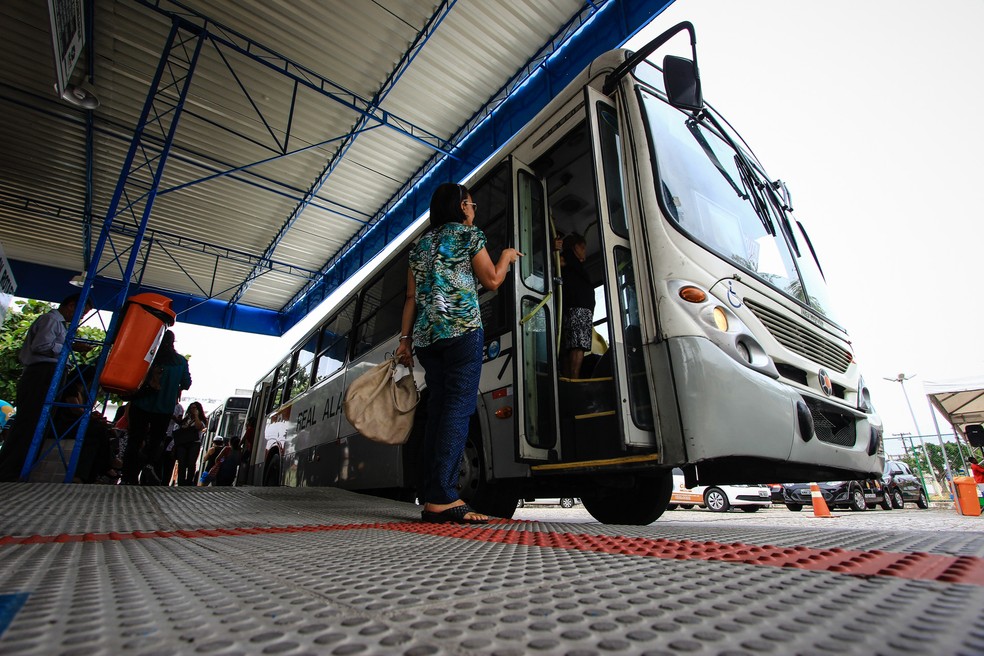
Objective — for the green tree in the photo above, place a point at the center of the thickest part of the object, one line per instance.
(936, 460)
(13, 333)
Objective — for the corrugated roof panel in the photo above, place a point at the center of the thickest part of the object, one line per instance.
(240, 112)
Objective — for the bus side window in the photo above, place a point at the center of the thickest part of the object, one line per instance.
(279, 381)
(382, 307)
(300, 378)
(334, 342)
(494, 208)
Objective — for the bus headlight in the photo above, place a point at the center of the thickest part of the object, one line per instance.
(720, 319)
(723, 327)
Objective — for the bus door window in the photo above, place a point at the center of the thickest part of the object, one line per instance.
(382, 307)
(640, 403)
(334, 342)
(538, 365)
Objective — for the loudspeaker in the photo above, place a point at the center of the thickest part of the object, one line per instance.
(975, 434)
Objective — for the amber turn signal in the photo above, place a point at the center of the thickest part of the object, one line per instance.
(693, 294)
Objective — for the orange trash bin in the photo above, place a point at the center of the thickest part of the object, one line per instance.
(966, 495)
(145, 316)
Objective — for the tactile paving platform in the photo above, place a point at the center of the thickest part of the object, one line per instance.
(110, 570)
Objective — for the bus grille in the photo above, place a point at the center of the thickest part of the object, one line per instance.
(801, 341)
(831, 425)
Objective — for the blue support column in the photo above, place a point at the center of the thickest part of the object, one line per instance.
(132, 203)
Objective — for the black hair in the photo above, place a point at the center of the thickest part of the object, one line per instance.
(445, 204)
(166, 352)
(74, 298)
(572, 240)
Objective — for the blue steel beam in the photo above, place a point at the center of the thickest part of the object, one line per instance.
(599, 27)
(415, 47)
(50, 283)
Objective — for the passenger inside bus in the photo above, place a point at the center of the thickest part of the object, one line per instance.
(579, 304)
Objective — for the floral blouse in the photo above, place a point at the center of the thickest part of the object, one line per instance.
(447, 298)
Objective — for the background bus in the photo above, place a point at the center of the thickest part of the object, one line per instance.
(226, 420)
(720, 352)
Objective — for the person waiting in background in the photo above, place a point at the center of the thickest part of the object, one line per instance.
(39, 355)
(978, 473)
(97, 458)
(150, 413)
(169, 460)
(227, 464)
(6, 409)
(218, 444)
(188, 442)
(579, 303)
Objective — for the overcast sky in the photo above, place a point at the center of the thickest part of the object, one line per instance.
(870, 112)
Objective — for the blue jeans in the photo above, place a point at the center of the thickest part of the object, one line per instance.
(452, 368)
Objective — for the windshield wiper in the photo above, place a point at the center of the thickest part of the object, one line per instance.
(694, 128)
(754, 189)
(781, 208)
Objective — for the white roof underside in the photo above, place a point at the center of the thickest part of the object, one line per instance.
(474, 51)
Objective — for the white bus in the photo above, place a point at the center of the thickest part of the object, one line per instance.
(718, 350)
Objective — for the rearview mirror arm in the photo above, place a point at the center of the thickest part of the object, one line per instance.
(615, 76)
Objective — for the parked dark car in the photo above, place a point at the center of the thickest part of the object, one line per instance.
(902, 485)
(856, 495)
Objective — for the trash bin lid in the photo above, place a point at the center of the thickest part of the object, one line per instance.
(156, 304)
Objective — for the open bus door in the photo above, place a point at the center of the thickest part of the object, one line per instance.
(535, 327)
(636, 412)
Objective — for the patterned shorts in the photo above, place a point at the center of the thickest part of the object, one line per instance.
(577, 329)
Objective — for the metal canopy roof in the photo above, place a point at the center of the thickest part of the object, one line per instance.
(291, 140)
(959, 400)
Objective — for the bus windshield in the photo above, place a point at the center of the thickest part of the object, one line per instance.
(709, 193)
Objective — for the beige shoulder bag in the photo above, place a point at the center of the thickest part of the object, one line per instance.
(379, 406)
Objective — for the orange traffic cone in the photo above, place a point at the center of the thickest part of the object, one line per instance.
(819, 505)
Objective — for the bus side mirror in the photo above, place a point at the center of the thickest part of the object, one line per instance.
(682, 82)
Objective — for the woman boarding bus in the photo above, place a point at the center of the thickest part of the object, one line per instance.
(715, 347)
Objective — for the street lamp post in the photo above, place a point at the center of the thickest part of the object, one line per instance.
(900, 379)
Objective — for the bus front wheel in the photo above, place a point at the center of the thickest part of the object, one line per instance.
(639, 503)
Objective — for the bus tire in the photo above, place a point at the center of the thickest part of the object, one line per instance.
(637, 504)
(271, 475)
(484, 496)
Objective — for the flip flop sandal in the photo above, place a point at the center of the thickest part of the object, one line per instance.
(453, 515)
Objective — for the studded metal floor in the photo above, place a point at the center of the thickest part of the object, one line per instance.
(109, 570)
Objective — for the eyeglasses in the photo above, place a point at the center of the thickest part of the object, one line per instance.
(468, 202)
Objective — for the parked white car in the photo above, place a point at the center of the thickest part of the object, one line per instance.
(719, 498)
(563, 502)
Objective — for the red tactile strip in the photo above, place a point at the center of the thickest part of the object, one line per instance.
(918, 565)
